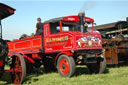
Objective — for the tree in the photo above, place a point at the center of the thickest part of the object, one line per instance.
(24, 36)
(32, 35)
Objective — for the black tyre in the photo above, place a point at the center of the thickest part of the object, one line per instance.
(66, 66)
(3, 49)
(98, 67)
(18, 65)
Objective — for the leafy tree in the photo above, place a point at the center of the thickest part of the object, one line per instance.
(32, 35)
(24, 36)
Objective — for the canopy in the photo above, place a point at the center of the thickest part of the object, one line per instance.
(5, 10)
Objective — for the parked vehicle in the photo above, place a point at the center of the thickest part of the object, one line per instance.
(61, 46)
(115, 42)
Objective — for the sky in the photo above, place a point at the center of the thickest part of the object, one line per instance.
(27, 11)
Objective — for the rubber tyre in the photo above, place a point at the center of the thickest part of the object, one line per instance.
(66, 66)
(97, 68)
(23, 67)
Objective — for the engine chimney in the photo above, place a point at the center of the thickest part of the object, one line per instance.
(81, 17)
(127, 21)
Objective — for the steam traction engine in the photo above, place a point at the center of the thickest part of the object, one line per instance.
(115, 42)
(5, 11)
(63, 45)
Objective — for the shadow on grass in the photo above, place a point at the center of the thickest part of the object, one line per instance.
(5, 79)
(35, 73)
(117, 65)
(81, 70)
(33, 76)
(84, 70)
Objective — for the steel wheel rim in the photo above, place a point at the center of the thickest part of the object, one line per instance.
(64, 66)
(17, 68)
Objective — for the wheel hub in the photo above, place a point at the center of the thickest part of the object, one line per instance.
(63, 66)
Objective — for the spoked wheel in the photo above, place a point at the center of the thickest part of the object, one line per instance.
(19, 68)
(66, 66)
(98, 67)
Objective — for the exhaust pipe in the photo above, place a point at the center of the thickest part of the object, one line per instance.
(127, 22)
(81, 17)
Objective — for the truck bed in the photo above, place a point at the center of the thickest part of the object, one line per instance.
(27, 45)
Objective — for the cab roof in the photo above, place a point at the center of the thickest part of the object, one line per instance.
(6, 10)
(69, 18)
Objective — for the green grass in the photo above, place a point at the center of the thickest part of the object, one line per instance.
(112, 76)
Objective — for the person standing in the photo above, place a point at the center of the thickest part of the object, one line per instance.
(39, 27)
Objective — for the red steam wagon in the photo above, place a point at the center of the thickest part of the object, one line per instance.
(64, 43)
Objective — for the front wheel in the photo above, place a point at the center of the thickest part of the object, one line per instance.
(98, 67)
(66, 66)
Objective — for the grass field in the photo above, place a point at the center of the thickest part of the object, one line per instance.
(112, 76)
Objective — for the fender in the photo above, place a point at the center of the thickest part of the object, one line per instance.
(66, 53)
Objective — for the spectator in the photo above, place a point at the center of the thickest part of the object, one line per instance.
(39, 27)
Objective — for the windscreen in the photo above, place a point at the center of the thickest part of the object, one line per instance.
(69, 26)
(73, 26)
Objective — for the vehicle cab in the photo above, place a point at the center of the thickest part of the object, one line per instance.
(70, 34)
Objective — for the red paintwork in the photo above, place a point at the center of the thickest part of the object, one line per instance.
(58, 42)
(64, 66)
(28, 45)
(89, 20)
(11, 11)
(71, 43)
(66, 53)
(76, 19)
(1, 62)
(60, 26)
(32, 61)
(36, 56)
(71, 18)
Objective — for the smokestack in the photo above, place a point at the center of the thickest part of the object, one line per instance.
(0, 28)
(81, 17)
(127, 21)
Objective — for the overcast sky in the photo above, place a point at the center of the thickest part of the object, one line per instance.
(27, 11)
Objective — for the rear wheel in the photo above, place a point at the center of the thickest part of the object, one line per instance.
(66, 66)
(98, 67)
(19, 68)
